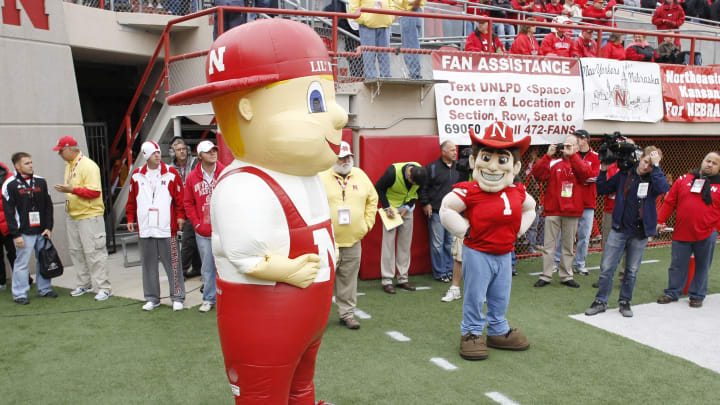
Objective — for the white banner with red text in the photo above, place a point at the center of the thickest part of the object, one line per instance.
(691, 93)
(622, 90)
(540, 97)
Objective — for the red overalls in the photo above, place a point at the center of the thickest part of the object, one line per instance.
(270, 335)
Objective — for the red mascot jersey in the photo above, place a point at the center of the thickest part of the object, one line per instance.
(494, 217)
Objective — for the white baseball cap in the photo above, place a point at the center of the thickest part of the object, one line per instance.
(148, 148)
(344, 150)
(205, 146)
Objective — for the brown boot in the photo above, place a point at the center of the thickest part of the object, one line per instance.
(473, 347)
(513, 340)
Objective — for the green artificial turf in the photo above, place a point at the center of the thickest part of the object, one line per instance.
(62, 354)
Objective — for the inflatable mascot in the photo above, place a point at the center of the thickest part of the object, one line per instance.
(497, 212)
(271, 86)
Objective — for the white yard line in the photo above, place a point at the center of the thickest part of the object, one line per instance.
(500, 398)
(598, 267)
(442, 363)
(423, 287)
(362, 314)
(397, 336)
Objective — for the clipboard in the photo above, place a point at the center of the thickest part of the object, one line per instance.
(389, 223)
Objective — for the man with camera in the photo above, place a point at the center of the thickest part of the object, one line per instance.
(563, 202)
(589, 197)
(696, 196)
(634, 220)
(184, 162)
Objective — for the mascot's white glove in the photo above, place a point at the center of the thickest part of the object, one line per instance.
(300, 271)
(450, 216)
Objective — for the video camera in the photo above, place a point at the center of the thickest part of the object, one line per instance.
(616, 148)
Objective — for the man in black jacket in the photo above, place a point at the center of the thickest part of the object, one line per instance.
(29, 215)
(441, 175)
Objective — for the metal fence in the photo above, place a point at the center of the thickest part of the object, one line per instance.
(98, 150)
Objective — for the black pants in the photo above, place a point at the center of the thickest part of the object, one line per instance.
(189, 251)
(7, 244)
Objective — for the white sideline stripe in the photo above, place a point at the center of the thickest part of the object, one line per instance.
(333, 299)
(424, 287)
(442, 363)
(360, 293)
(598, 267)
(500, 398)
(362, 314)
(397, 336)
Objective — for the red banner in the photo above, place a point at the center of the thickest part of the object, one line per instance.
(691, 93)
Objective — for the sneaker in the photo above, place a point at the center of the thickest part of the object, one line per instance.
(445, 279)
(666, 299)
(49, 294)
(21, 301)
(581, 270)
(514, 272)
(452, 294)
(205, 306)
(595, 308)
(555, 269)
(103, 295)
(178, 306)
(350, 322)
(571, 283)
(624, 308)
(149, 306)
(80, 291)
(473, 347)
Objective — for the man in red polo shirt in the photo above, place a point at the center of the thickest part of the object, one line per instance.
(696, 196)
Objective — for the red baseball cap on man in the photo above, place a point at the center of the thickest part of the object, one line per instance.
(64, 142)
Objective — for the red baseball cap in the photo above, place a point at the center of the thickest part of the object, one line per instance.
(499, 135)
(256, 54)
(65, 142)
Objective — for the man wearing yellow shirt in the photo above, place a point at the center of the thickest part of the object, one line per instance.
(353, 205)
(410, 29)
(85, 222)
(374, 31)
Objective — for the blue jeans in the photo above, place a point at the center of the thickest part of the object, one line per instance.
(440, 247)
(486, 276)
(375, 37)
(410, 29)
(21, 270)
(678, 271)
(207, 271)
(505, 32)
(584, 230)
(617, 244)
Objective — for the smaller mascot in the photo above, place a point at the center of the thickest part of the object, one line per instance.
(496, 211)
(271, 86)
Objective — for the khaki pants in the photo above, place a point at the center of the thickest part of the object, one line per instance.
(346, 275)
(400, 257)
(553, 226)
(86, 241)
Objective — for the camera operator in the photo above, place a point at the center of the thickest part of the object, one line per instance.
(696, 199)
(634, 220)
(563, 204)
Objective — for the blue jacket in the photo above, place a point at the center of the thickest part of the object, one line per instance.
(617, 183)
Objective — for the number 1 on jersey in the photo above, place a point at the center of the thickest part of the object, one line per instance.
(508, 210)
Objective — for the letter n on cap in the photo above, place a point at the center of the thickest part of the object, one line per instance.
(216, 60)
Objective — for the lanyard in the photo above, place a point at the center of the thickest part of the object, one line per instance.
(343, 184)
(72, 171)
(31, 189)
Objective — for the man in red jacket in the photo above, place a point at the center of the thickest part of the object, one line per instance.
(584, 46)
(6, 242)
(559, 41)
(479, 40)
(697, 198)
(563, 205)
(156, 203)
(669, 16)
(599, 15)
(198, 190)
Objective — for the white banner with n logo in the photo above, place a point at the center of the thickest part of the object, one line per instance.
(621, 90)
